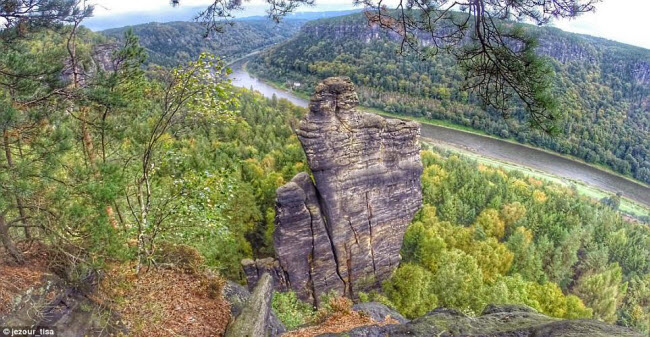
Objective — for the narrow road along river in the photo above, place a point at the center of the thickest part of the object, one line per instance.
(491, 148)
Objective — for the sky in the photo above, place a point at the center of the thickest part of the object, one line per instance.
(620, 20)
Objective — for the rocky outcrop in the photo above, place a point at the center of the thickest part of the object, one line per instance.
(379, 312)
(53, 304)
(508, 321)
(253, 320)
(254, 269)
(238, 296)
(343, 231)
(302, 242)
(101, 60)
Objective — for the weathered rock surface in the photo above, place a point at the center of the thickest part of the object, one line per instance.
(367, 171)
(51, 303)
(102, 60)
(254, 269)
(505, 321)
(238, 296)
(379, 312)
(302, 241)
(253, 320)
(343, 232)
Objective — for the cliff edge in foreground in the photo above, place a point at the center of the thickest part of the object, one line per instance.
(496, 321)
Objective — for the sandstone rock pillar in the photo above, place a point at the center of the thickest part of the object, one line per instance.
(343, 231)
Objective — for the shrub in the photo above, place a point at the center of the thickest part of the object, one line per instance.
(185, 257)
(411, 290)
(291, 310)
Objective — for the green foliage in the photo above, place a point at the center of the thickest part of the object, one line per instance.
(168, 155)
(524, 253)
(490, 224)
(227, 173)
(375, 296)
(458, 282)
(636, 311)
(411, 290)
(603, 291)
(290, 310)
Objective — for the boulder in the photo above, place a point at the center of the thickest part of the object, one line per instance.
(379, 312)
(51, 303)
(254, 269)
(497, 308)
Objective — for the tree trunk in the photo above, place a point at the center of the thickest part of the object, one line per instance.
(8, 243)
(92, 161)
(19, 200)
(87, 138)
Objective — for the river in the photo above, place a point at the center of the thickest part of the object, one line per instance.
(490, 147)
(241, 78)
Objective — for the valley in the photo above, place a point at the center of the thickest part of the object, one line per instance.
(588, 179)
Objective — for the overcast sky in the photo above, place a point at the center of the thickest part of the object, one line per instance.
(621, 20)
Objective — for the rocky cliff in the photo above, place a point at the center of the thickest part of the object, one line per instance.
(343, 231)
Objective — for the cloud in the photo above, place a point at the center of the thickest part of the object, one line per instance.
(620, 20)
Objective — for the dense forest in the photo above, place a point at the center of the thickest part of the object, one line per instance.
(516, 239)
(111, 168)
(174, 43)
(603, 87)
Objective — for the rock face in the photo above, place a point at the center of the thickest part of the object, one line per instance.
(102, 59)
(498, 321)
(254, 269)
(343, 232)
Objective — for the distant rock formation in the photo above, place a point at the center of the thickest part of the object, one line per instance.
(344, 232)
(102, 59)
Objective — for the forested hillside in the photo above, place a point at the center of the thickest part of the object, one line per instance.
(115, 170)
(174, 43)
(603, 87)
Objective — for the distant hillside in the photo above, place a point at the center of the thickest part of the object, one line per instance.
(172, 43)
(305, 15)
(188, 13)
(604, 87)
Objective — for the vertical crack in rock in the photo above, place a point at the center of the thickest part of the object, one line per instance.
(372, 248)
(343, 231)
(311, 257)
(319, 198)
